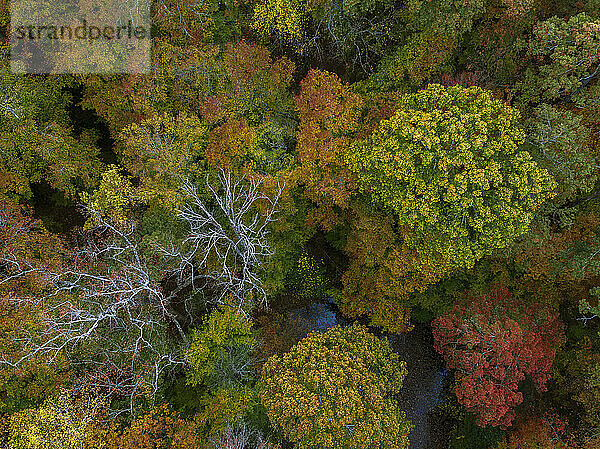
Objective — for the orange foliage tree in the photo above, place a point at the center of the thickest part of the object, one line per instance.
(160, 428)
(328, 112)
(378, 278)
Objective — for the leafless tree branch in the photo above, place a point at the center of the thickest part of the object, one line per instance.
(107, 307)
(230, 242)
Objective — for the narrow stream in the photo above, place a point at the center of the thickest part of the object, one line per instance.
(423, 385)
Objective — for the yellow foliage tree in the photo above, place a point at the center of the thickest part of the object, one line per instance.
(113, 199)
(68, 421)
(449, 164)
(333, 390)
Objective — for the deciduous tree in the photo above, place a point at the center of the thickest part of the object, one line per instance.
(354, 32)
(161, 151)
(446, 17)
(328, 111)
(36, 139)
(492, 341)
(229, 243)
(448, 164)
(380, 273)
(240, 437)
(220, 352)
(568, 60)
(558, 141)
(161, 427)
(69, 421)
(332, 390)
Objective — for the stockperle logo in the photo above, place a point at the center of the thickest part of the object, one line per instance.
(102, 36)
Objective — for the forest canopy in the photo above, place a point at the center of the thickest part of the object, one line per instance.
(323, 224)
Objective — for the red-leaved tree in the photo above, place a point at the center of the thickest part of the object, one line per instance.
(492, 341)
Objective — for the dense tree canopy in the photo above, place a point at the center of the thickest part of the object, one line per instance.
(353, 32)
(189, 256)
(492, 345)
(36, 139)
(70, 421)
(448, 163)
(569, 60)
(451, 17)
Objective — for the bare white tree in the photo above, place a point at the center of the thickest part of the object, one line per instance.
(228, 243)
(107, 306)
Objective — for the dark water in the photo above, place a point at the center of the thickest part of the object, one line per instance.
(424, 386)
(319, 316)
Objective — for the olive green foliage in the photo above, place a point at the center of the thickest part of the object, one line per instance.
(468, 435)
(557, 140)
(226, 406)
(465, 433)
(448, 163)
(29, 387)
(582, 256)
(589, 396)
(592, 8)
(444, 16)
(214, 21)
(582, 259)
(220, 350)
(332, 390)
(423, 55)
(162, 149)
(36, 141)
(566, 55)
(220, 362)
(585, 308)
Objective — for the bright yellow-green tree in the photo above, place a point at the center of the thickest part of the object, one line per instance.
(220, 359)
(449, 164)
(333, 390)
(220, 350)
(68, 421)
(282, 17)
(114, 198)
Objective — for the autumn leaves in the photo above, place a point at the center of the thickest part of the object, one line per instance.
(446, 169)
